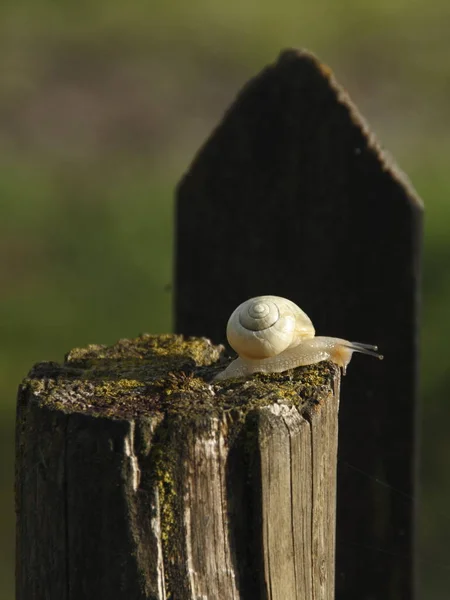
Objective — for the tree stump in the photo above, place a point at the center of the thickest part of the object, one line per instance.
(137, 478)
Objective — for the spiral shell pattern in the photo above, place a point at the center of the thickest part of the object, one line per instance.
(267, 325)
(258, 314)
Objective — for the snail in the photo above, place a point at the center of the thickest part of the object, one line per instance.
(272, 334)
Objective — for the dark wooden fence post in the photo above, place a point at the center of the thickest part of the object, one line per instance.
(292, 196)
(138, 480)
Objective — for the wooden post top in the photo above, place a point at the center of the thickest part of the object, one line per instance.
(160, 373)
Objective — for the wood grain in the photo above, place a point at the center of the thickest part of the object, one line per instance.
(144, 482)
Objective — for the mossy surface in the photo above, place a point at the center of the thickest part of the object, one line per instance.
(168, 374)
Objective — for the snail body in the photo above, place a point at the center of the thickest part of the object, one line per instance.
(272, 334)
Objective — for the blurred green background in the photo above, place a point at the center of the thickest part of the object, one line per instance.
(103, 105)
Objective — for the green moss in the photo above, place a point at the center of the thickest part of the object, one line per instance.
(161, 350)
(165, 457)
(168, 374)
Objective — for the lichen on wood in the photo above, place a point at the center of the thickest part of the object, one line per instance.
(164, 373)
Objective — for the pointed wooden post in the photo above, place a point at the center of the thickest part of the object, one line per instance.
(291, 195)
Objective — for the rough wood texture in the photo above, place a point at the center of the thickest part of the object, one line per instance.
(291, 195)
(138, 479)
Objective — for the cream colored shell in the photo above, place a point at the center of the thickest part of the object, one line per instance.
(267, 325)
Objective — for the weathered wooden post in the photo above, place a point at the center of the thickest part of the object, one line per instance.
(292, 196)
(137, 479)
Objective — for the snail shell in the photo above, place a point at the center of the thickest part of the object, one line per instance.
(272, 334)
(267, 325)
